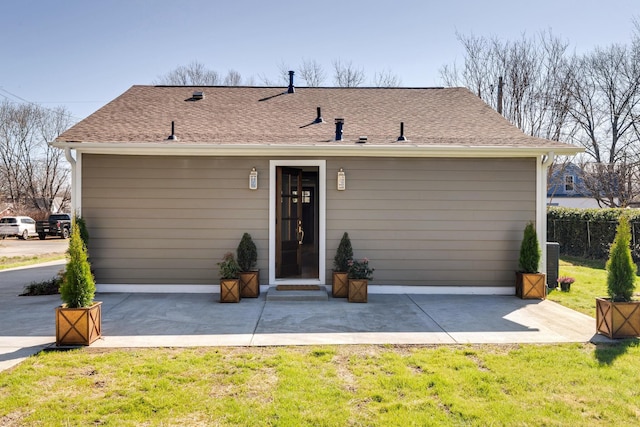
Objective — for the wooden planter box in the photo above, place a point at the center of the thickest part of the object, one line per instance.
(340, 285)
(250, 284)
(358, 290)
(617, 319)
(229, 290)
(531, 285)
(78, 326)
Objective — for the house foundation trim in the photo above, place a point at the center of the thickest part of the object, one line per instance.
(372, 289)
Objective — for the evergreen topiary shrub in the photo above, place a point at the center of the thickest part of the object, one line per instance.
(621, 270)
(529, 250)
(344, 254)
(78, 287)
(82, 226)
(247, 253)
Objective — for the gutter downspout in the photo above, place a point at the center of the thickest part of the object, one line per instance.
(74, 196)
(541, 210)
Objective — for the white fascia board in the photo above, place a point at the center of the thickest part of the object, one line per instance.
(324, 150)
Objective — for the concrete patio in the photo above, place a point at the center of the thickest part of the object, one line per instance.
(27, 324)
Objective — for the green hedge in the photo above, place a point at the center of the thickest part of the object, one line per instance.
(589, 233)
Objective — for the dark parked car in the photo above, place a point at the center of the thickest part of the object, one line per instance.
(56, 225)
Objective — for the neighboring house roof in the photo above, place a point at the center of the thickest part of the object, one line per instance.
(435, 119)
(6, 208)
(558, 184)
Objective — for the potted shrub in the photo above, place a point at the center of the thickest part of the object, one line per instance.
(79, 318)
(344, 253)
(530, 283)
(229, 282)
(249, 276)
(359, 275)
(619, 316)
(565, 283)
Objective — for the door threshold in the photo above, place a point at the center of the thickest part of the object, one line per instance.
(321, 294)
(297, 282)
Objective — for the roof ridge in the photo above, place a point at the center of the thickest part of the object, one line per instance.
(300, 87)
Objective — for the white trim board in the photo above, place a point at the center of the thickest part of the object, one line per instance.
(372, 289)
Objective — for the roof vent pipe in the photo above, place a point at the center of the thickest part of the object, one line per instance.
(197, 95)
(339, 124)
(402, 137)
(500, 95)
(173, 136)
(291, 89)
(319, 119)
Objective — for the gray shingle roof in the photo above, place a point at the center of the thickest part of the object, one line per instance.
(259, 115)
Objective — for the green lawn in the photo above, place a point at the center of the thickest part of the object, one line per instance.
(21, 261)
(591, 282)
(503, 385)
(577, 385)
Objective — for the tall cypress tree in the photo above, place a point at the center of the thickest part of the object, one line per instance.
(621, 270)
(78, 287)
(530, 250)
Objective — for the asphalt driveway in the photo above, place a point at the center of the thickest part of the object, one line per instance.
(13, 247)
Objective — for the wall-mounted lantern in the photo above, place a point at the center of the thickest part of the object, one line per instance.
(342, 180)
(253, 179)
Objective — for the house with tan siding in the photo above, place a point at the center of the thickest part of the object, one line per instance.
(432, 185)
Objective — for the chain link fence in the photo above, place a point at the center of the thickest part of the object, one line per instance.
(589, 237)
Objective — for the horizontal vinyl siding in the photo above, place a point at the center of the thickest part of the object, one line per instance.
(433, 222)
(429, 222)
(169, 220)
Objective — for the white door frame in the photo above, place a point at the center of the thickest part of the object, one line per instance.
(322, 198)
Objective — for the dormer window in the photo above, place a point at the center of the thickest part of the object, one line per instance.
(568, 183)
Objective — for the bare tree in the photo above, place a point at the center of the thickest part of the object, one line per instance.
(14, 146)
(476, 72)
(32, 173)
(535, 75)
(386, 78)
(194, 74)
(233, 78)
(266, 80)
(605, 91)
(283, 73)
(51, 180)
(312, 72)
(346, 75)
(250, 81)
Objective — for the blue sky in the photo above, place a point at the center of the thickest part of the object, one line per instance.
(82, 54)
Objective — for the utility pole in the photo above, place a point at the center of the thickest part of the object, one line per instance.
(500, 95)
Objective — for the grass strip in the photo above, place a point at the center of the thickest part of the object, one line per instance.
(573, 384)
(21, 261)
(591, 282)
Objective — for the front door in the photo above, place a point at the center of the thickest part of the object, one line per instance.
(297, 249)
(297, 230)
(289, 226)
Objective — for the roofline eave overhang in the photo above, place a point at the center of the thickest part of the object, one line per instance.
(401, 149)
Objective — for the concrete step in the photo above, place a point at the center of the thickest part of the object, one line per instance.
(304, 295)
